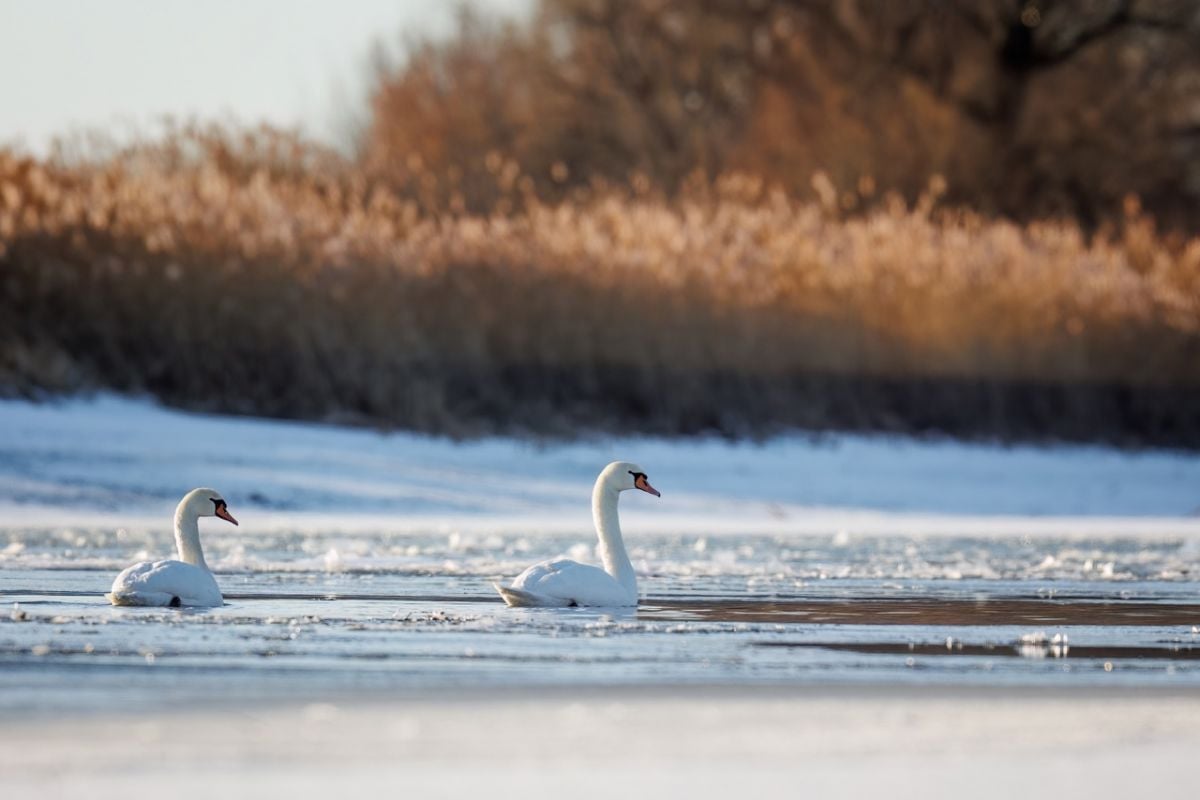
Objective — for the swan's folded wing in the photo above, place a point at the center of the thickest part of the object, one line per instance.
(165, 583)
(519, 598)
(574, 584)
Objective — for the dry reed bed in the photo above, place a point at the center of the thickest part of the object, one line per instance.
(263, 276)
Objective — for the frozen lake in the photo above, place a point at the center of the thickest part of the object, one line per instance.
(364, 562)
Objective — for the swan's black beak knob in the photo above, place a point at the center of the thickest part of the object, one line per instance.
(640, 482)
(223, 512)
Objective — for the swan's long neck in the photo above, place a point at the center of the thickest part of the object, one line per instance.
(187, 536)
(608, 528)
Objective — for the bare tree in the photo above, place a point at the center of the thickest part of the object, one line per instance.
(1026, 107)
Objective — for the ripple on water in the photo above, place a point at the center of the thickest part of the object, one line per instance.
(329, 614)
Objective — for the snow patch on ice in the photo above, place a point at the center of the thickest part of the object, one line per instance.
(113, 461)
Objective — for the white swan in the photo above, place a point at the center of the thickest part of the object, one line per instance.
(186, 582)
(568, 583)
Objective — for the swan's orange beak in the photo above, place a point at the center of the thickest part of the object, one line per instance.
(224, 514)
(643, 484)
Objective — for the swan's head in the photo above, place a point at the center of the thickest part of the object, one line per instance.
(207, 503)
(624, 475)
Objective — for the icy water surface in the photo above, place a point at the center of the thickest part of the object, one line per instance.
(364, 562)
(314, 615)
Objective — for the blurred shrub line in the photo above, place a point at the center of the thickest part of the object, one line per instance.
(250, 272)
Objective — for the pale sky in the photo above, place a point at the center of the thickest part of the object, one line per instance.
(120, 65)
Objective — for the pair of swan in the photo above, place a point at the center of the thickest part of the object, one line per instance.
(561, 582)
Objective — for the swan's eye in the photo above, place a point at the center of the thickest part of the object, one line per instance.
(638, 475)
(217, 502)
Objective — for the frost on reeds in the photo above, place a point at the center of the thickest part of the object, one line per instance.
(255, 273)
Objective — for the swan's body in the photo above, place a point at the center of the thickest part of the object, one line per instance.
(563, 582)
(186, 582)
(165, 583)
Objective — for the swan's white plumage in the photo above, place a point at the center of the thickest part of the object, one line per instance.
(185, 582)
(570, 583)
(563, 582)
(165, 583)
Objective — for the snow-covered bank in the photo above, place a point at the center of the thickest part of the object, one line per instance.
(119, 461)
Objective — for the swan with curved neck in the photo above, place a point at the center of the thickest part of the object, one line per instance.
(186, 582)
(564, 582)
